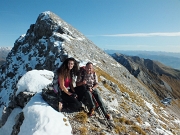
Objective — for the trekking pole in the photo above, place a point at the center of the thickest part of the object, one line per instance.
(101, 112)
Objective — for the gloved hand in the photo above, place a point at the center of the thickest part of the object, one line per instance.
(74, 95)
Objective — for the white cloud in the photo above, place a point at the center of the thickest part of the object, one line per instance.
(165, 34)
(143, 47)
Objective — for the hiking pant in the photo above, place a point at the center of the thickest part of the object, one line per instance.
(72, 102)
(80, 91)
(89, 97)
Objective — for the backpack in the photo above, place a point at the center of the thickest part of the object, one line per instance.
(82, 72)
(50, 96)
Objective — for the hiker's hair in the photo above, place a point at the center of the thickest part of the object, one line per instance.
(64, 70)
(89, 63)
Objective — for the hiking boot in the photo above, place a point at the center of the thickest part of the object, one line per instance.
(107, 116)
(91, 112)
(84, 107)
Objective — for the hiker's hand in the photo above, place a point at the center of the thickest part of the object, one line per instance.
(90, 89)
(84, 82)
(74, 95)
(73, 90)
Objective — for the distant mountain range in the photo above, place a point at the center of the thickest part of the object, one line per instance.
(3, 54)
(167, 58)
(163, 80)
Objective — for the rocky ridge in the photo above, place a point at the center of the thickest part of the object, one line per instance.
(46, 44)
(171, 59)
(163, 80)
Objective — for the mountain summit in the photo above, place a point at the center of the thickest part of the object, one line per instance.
(134, 108)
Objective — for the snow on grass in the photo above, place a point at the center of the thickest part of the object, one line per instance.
(116, 65)
(112, 101)
(163, 132)
(146, 125)
(149, 105)
(177, 122)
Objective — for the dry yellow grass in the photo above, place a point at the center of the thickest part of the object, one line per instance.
(81, 117)
(125, 106)
(94, 129)
(132, 133)
(83, 131)
(177, 102)
(100, 88)
(129, 122)
(109, 88)
(123, 120)
(163, 119)
(120, 129)
(164, 126)
(138, 118)
(102, 133)
(138, 129)
(64, 119)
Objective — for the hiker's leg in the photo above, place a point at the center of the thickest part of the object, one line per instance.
(64, 98)
(60, 105)
(76, 104)
(99, 100)
(73, 102)
(80, 91)
(89, 99)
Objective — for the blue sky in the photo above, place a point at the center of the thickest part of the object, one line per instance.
(151, 25)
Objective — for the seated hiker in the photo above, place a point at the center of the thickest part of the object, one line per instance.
(67, 70)
(87, 79)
